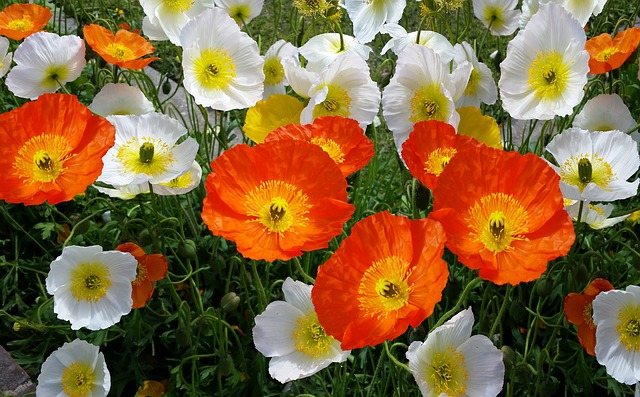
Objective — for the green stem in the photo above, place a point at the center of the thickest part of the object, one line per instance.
(307, 278)
(502, 310)
(472, 284)
(394, 359)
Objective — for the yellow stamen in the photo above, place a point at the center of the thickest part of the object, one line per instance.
(214, 69)
(331, 147)
(384, 287)
(310, 337)
(583, 169)
(90, 281)
(629, 327)
(438, 159)
(429, 103)
(447, 373)
(548, 75)
(41, 159)
(278, 206)
(78, 379)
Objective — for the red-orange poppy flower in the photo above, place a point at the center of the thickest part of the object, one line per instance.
(503, 213)
(607, 54)
(123, 49)
(51, 149)
(430, 147)
(21, 20)
(151, 268)
(388, 274)
(270, 201)
(342, 138)
(578, 309)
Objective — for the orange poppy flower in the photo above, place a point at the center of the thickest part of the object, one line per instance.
(430, 147)
(578, 309)
(122, 49)
(151, 268)
(21, 20)
(503, 213)
(342, 138)
(388, 274)
(607, 54)
(51, 149)
(270, 201)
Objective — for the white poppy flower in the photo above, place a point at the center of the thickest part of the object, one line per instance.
(120, 99)
(368, 17)
(44, 61)
(321, 50)
(75, 369)
(545, 70)
(481, 86)
(146, 150)
(596, 216)
(595, 166)
(242, 11)
(499, 16)
(422, 89)
(5, 57)
(616, 315)
(125, 192)
(400, 40)
(172, 15)
(275, 78)
(181, 184)
(605, 112)
(222, 66)
(290, 333)
(344, 88)
(91, 288)
(153, 30)
(300, 79)
(451, 362)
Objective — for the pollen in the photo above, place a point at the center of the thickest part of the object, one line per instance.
(447, 373)
(311, 7)
(429, 103)
(41, 159)
(497, 220)
(90, 282)
(474, 82)
(120, 52)
(438, 159)
(548, 75)
(628, 327)
(78, 379)
(214, 69)
(152, 156)
(604, 55)
(141, 274)
(331, 147)
(310, 337)
(337, 103)
(22, 25)
(587, 314)
(384, 287)
(178, 6)
(278, 206)
(273, 71)
(180, 182)
(586, 168)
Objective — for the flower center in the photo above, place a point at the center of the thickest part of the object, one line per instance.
(78, 379)
(429, 103)
(438, 159)
(119, 51)
(41, 158)
(141, 274)
(310, 7)
(497, 220)
(587, 313)
(446, 373)
(586, 168)
(495, 17)
(474, 82)
(273, 71)
(337, 103)
(604, 55)
(178, 6)
(384, 287)
(240, 13)
(214, 69)
(629, 327)
(180, 182)
(548, 75)
(54, 74)
(90, 281)
(278, 206)
(310, 337)
(331, 147)
(22, 25)
(153, 157)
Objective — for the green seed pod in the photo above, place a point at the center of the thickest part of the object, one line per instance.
(518, 312)
(229, 302)
(187, 249)
(544, 286)
(226, 365)
(508, 356)
(145, 238)
(166, 87)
